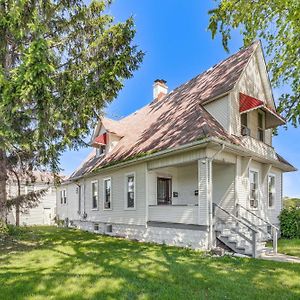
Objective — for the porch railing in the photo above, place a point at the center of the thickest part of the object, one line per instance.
(274, 229)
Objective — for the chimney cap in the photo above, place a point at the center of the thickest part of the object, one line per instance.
(160, 81)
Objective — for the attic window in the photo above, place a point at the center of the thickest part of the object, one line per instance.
(101, 151)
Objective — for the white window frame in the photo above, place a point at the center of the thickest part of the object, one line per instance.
(63, 197)
(258, 189)
(274, 176)
(101, 153)
(97, 185)
(104, 191)
(126, 191)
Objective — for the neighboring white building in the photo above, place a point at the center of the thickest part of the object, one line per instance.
(194, 167)
(44, 213)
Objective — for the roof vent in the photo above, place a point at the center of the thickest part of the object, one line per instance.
(160, 88)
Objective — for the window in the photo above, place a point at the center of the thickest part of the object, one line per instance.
(63, 197)
(271, 190)
(253, 178)
(164, 191)
(244, 120)
(107, 193)
(79, 198)
(260, 129)
(95, 194)
(130, 191)
(100, 151)
(96, 227)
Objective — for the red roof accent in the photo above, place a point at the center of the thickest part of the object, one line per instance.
(100, 140)
(248, 103)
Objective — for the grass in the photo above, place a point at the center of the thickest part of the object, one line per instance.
(56, 263)
(289, 247)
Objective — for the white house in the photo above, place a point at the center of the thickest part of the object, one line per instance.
(44, 212)
(194, 167)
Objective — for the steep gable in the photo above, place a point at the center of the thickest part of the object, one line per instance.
(176, 119)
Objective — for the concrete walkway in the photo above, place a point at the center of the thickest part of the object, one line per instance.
(280, 257)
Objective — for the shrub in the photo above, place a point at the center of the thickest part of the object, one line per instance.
(3, 229)
(290, 223)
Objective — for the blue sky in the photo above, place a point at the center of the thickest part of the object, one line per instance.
(174, 36)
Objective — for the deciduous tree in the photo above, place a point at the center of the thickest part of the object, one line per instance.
(277, 23)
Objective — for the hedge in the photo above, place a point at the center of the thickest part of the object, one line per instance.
(290, 223)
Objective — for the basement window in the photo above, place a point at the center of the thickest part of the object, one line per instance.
(96, 227)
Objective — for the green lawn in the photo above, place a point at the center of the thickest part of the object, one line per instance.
(290, 247)
(54, 263)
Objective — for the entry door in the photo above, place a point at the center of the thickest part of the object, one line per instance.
(47, 216)
(164, 190)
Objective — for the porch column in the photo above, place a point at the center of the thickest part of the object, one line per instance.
(205, 195)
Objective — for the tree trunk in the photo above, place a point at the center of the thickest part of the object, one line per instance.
(3, 179)
(18, 205)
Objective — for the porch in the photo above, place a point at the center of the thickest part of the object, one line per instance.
(180, 193)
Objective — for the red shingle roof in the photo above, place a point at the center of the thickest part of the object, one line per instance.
(175, 119)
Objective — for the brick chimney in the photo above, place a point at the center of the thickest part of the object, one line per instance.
(160, 88)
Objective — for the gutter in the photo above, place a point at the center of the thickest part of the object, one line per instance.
(194, 145)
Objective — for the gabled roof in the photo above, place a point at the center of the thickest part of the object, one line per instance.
(174, 120)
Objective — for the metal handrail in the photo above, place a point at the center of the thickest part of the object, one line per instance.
(275, 230)
(254, 231)
(251, 212)
(234, 217)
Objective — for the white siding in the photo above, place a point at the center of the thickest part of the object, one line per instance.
(224, 185)
(253, 82)
(118, 213)
(43, 214)
(219, 109)
(242, 179)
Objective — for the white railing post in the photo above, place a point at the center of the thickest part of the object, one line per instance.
(254, 246)
(275, 239)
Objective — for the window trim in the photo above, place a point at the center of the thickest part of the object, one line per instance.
(261, 113)
(97, 185)
(104, 180)
(126, 191)
(63, 197)
(249, 189)
(98, 154)
(171, 189)
(275, 192)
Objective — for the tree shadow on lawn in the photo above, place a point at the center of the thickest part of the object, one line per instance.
(72, 264)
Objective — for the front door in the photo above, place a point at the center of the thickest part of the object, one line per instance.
(164, 191)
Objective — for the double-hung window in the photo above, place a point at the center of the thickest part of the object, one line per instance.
(130, 191)
(107, 193)
(253, 178)
(63, 196)
(95, 194)
(271, 190)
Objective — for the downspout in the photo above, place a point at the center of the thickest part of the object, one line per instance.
(210, 200)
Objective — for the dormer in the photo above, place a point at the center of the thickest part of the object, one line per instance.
(105, 137)
(100, 143)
